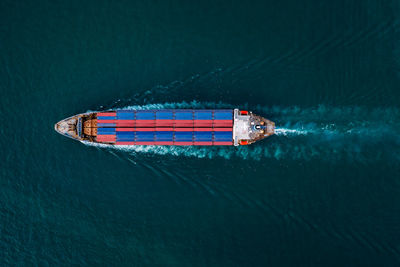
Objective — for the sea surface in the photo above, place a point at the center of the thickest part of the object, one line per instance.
(324, 191)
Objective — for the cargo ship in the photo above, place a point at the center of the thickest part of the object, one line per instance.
(173, 127)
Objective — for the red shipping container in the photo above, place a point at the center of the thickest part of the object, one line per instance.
(203, 143)
(203, 124)
(223, 129)
(166, 123)
(108, 138)
(183, 143)
(222, 143)
(106, 114)
(145, 129)
(183, 123)
(125, 123)
(164, 143)
(183, 129)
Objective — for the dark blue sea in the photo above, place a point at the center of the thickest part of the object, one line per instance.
(324, 191)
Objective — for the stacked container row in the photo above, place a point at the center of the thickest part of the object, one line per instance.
(165, 127)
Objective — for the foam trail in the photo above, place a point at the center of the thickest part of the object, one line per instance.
(182, 105)
(174, 105)
(286, 131)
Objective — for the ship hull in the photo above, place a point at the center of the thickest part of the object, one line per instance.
(178, 127)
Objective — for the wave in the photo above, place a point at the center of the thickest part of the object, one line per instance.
(323, 133)
(286, 131)
(181, 105)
